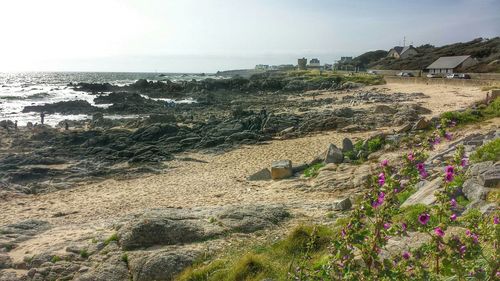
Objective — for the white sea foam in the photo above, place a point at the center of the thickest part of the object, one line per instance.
(18, 90)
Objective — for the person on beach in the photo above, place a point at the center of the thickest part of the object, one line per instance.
(66, 126)
(15, 125)
(42, 117)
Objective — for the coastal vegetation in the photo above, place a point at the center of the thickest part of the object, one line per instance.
(452, 244)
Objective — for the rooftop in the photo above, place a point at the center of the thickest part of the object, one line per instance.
(447, 62)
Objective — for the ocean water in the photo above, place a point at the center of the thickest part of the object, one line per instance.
(18, 90)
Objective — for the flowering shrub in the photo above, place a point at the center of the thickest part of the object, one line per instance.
(460, 247)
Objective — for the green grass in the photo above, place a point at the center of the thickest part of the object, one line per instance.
(264, 261)
(483, 112)
(410, 214)
(125, 258)
(84, 253)
(313, 171)
(403, 195)
(487, 152)
(55, 259)
(111, 238)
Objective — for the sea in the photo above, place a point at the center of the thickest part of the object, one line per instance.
(21, 89)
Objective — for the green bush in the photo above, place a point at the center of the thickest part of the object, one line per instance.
(84, 253)
(487, 152)
(464, 117)
(313, 171)
(375, 144)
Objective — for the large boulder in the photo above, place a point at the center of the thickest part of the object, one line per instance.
(159, 228)
(342, 204)
(473, 190)
(247, 219)
(281, 169)
(347, 145)
(180, 226)
(334, 155)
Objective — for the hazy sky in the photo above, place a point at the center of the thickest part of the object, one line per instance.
(211, 35)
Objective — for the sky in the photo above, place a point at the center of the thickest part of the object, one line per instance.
(212, 35)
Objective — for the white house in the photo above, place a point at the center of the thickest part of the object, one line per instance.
(314, 63)
(451, 64)
(399, 52)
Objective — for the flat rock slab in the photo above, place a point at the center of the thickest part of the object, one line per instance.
(180, 226)
(281, 169)
(425, 195)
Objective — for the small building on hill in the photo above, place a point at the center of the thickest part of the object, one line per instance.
(399, 52)
(302, 64)
(452, 64)
(314, 63)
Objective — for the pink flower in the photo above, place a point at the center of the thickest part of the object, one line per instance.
(420, 166)
(411, 157)
(406, 255)
(449, 170)
(453, 217)
(447, 136)
(381, 179)
(475, 238)
(384, 163)
(464, 162)
(462, 249)
(424, 174)
(453, 202)
(467, 232)
(437, 140)
(343, 233)
(439, 232)
(424, 218)
(404, 226)
(449, 177)
(496, 220)
(379, 201)
(387, 225)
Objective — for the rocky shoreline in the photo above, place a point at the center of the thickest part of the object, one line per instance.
(224, 118)
(158, 242)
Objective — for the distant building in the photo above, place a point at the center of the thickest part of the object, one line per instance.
(262, 67)
(399, 52)
(314, 63)
(302, 64)
(451, 64)
(328, 66)
(345, 59)
(286, 67)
